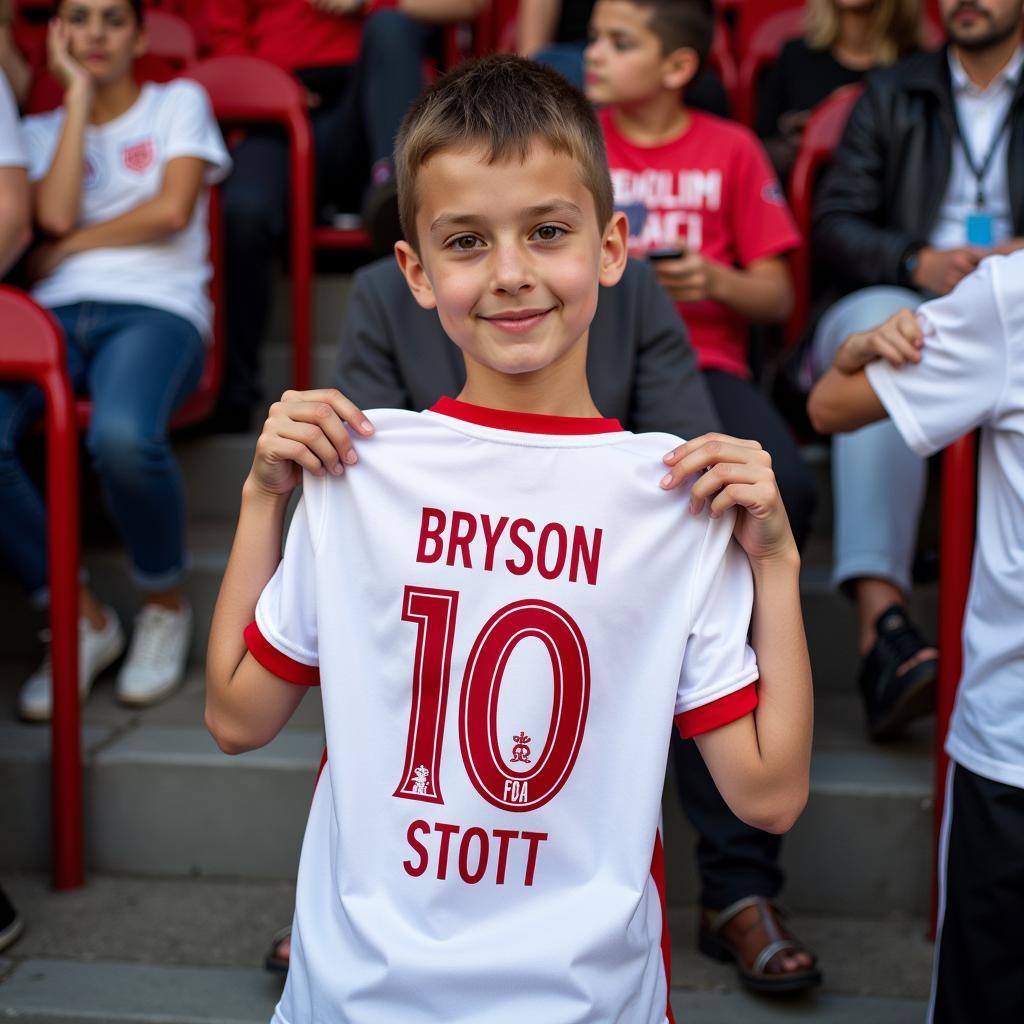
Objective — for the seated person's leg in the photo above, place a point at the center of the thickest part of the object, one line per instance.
(878, 489)
(255, 221)
(147, 362)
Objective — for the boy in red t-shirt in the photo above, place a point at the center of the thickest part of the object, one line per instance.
(702, 199)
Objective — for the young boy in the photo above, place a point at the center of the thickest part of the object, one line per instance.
(505, 611)
(956, 366)
(703, 201)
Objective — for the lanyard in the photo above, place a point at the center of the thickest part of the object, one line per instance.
(981, 170)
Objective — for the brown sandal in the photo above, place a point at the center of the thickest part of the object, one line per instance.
(751, 965)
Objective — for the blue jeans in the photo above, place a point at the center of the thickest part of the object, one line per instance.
(878, 483)
(138, 365)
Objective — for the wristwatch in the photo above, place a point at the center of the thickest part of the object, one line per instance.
(908, 264)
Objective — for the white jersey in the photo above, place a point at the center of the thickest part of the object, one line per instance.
(12, 151)
(504, 612)
(971, 375)
(124, 167)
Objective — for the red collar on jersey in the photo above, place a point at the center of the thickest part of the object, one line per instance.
(524, 422)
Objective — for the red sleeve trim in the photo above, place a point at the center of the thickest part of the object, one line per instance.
(718, 713)
(273, 660)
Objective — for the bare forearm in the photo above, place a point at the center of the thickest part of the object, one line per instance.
(15, 228)
(535, 26)
(148, 222)
(59, 193)
(762, 298)
(441, 11)
(255, 554)
(14, 66)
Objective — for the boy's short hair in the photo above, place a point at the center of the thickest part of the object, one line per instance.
(504, 103)
(681, 23)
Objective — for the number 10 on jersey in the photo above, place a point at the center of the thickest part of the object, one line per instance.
(434, 613)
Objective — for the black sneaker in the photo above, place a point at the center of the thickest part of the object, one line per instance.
(11, 925)
(891, 698)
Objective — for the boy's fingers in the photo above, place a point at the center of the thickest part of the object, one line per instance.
(313, 437)
(347, 410)
(711, 437)
(324, 416)
(294, 451)
(716, 452)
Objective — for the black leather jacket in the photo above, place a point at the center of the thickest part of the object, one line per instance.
(884, 191)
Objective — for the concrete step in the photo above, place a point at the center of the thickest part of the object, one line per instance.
(162, 800)
(187, 951)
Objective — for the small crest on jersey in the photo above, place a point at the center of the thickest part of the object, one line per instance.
(422, 775)
(138, 156)
(772, 193)
(521, 750)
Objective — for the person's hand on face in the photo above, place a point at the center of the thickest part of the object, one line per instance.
(691, 278)
(71, 75)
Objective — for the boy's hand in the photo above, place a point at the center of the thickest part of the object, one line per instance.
(688, 279)
(305, 430)
(898, 341)
(735, 473)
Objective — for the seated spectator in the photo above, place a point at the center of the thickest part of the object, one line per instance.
(844, 40)
(12, 63)
(554, 32)
(15, 221)
(120, 176)
(362, 65)
(927, 181)
(703, 201)
(15, 232)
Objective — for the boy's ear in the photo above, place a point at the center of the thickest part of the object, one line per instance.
(614, 249)
(680, 67)
(415, 275)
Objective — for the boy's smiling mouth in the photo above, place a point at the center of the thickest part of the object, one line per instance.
(518, 320)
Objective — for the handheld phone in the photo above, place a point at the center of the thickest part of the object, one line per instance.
(668, 253)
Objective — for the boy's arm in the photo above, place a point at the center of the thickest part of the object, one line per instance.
(760, 762)
(247, 705)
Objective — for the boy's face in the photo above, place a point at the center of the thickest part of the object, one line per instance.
(104, 36)
(624, 62)
(510, 255)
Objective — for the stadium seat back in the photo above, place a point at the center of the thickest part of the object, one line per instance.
(821, 136)
(763, 49)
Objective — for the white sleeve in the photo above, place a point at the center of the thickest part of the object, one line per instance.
(283, 637)
(12, 149)
(40, 135)
(958, 384)
(188, 128)
(719, 666)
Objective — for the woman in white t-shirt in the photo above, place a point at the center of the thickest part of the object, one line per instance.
(120, 176)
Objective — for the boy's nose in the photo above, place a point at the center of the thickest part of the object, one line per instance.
(512, 272)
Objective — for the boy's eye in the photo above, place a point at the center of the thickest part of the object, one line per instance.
(464, 243)
(549, 232)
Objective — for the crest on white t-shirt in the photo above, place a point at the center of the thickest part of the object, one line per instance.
(138, 156)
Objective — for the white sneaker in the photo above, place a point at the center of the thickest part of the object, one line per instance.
(97, 648)
(155, 665)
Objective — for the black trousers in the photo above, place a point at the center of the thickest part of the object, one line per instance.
(735, 860)
(361, 108)
(979, 954)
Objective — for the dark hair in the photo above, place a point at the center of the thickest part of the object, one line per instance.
(506, 104)
(135, 5)
(681, 23)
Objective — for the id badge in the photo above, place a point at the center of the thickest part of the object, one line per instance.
(979, 229)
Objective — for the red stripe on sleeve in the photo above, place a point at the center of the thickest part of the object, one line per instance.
(718, 713)
(273, 660)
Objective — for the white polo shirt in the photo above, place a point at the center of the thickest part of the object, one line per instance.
(12, 151)
(124, 167)
(504, 612)
(972, 375)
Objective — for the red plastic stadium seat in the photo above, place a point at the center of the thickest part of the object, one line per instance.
(723, 63)
(750, 14)
(763, 48)
(32, 349)
(249, 91)
(821, 136)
